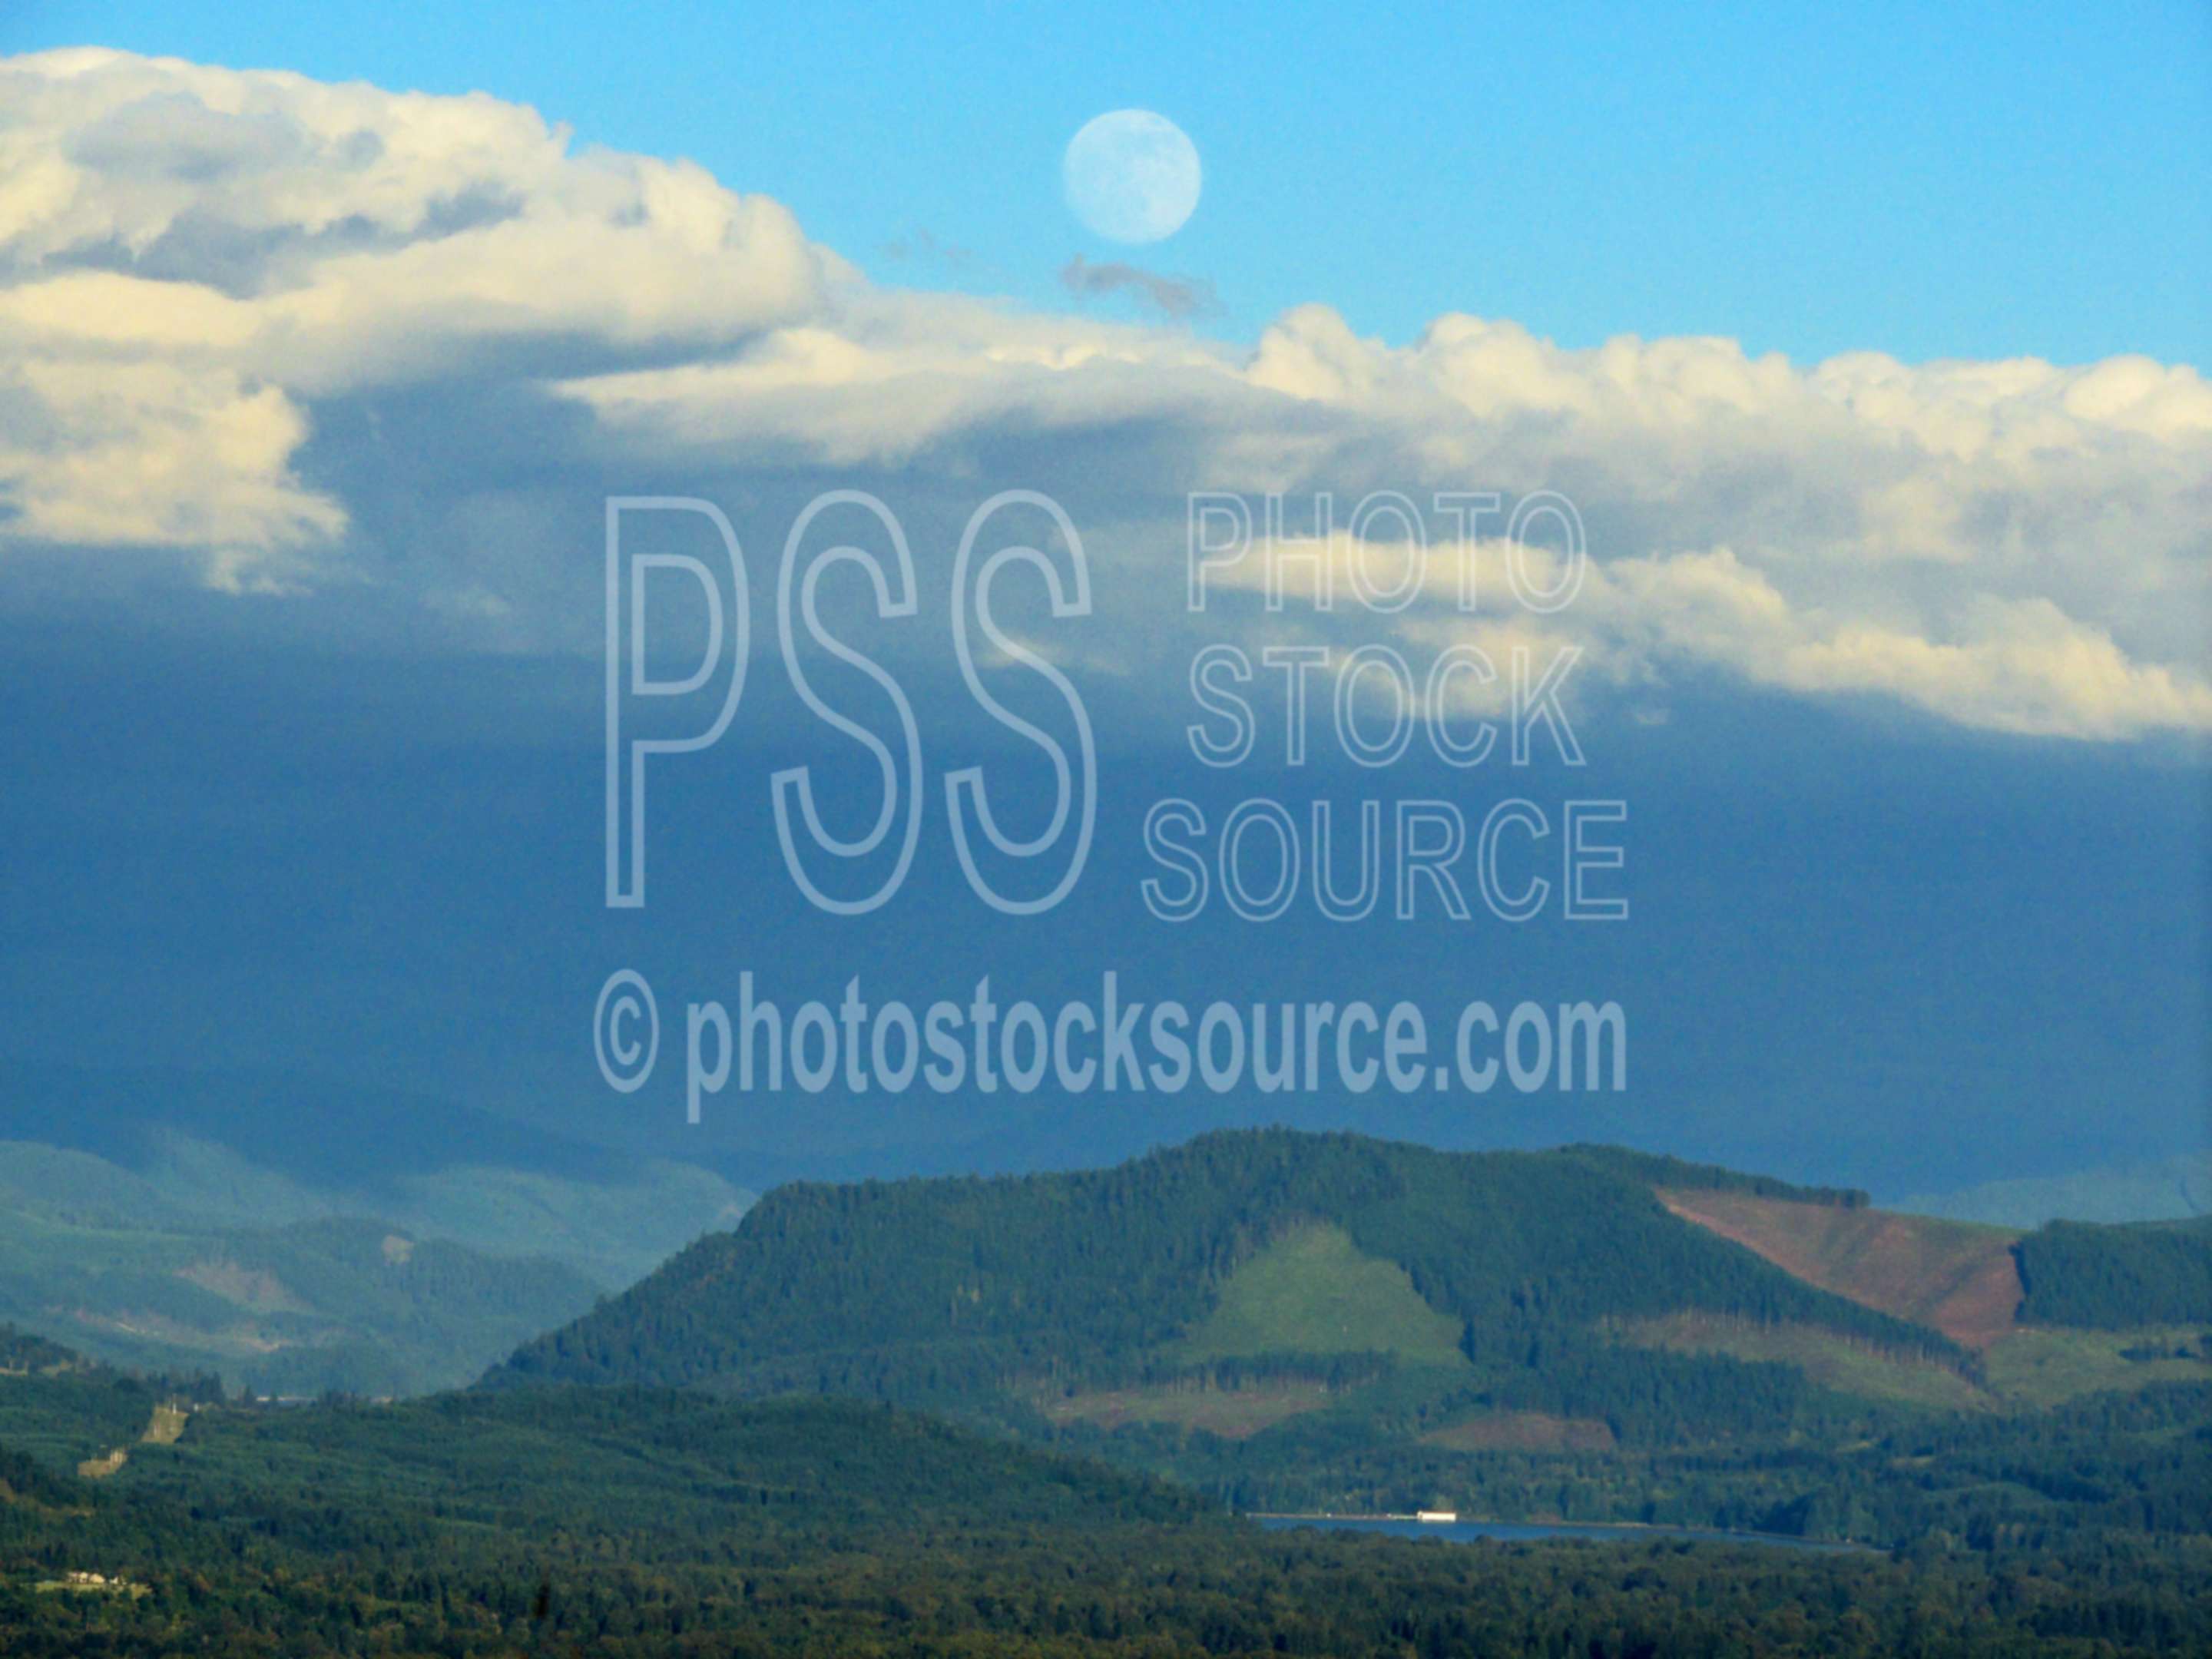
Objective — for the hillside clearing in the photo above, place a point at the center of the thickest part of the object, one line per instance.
(2044, 1366)
(1955, 1276)
(1314, 1292)
(1833, 1360)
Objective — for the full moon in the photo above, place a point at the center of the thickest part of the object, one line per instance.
(1131, 176)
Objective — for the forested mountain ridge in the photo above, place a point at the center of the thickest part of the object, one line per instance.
(937, 1285)
(1292, 1318)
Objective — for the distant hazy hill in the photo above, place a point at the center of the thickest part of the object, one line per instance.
(202, 1258)
(347, 1304)
(318, 1131)
(2169, 1191)
(297, 1239)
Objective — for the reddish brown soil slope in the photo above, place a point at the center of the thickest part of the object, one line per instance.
(1959, 1279)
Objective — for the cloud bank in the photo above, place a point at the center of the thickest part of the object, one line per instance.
(330, 339)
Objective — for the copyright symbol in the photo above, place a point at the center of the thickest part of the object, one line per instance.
(625, 1000)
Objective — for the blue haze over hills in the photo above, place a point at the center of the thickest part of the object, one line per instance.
(1863, 949)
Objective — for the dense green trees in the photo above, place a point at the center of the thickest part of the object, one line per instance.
(2117, 1278)
(622, 1522)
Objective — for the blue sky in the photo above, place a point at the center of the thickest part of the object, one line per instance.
(1981, 181)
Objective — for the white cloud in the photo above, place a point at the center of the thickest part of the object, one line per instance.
(189, 254)
(2011, 665)
(208, 279)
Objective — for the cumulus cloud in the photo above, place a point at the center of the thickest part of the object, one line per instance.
(190, 255)
(2018, 546)
(2018, 665)
(260, 322)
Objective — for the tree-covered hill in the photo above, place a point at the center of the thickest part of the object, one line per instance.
(1289, 1318)
(920, 1288)
(1264, 1312)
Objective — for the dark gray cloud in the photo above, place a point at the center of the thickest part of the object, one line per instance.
(1178, 297)
(922, 244)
